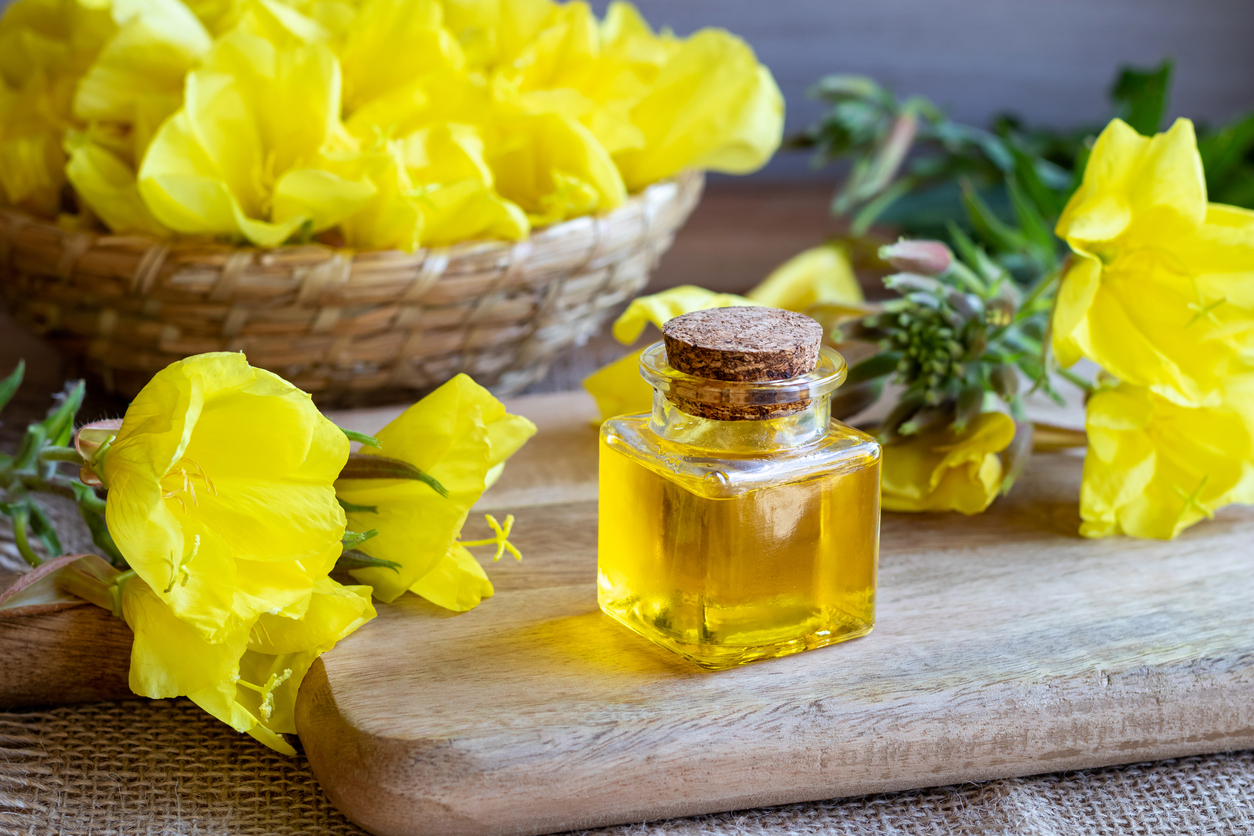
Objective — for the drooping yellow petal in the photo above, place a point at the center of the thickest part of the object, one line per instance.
(108, 186)
(941, 470)
(618, 388)
(1154, 467)
(816, 276)
(660, 308)
(457, 434)
(170, 658)
(712, 106)
(456, 583)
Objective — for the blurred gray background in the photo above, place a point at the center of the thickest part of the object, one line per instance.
(1050, 61)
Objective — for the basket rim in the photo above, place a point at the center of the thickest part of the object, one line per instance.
(15, 222)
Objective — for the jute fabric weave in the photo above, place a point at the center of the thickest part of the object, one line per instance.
(141, 768)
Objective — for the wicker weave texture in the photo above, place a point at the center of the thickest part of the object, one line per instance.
(347, 327)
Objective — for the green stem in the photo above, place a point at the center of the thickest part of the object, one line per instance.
(21, 535)
(1085, 385)
(60, 454)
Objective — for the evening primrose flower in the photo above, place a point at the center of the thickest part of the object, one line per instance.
(1158, 293)
(943, 470)
(250, 677)
(459, 435)
(1155, 467)
(220, 492)
(244, 155)
(553, 168)
(712, 106)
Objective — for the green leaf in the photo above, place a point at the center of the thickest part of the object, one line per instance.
(1224, 152)
(352, 508)
(59, 425)
(361, 466)
(991, 228)
(879, 365)
(352, 539)
(368, 440)
(9, 386)
(353, 559)
(1140, 96)
(44, 530)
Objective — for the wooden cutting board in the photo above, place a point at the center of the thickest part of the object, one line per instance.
(1006, 645)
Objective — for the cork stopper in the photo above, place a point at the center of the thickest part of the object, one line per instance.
(749, 344)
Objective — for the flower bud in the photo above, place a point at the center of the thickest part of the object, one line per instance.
(928, 258)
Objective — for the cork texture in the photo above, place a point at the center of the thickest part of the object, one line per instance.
(748, 344)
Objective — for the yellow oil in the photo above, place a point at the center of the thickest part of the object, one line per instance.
(724, 580)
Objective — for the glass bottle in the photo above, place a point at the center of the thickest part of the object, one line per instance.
(738, 521)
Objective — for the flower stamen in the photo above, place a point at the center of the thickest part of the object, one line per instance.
(500, 538)
(267, 690)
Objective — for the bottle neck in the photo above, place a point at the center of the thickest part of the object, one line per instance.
(793, 429)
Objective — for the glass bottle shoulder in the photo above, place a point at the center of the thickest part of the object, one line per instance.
(712, 470)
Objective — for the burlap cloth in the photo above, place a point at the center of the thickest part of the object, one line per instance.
(142, 768)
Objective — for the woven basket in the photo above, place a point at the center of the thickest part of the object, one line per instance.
(349, 327)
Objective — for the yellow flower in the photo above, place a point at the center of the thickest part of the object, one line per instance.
(106, 183)
(941, 470)
(1154, 467)
(1159, 292)
(220, 492)
(250, 677)
(390, 45)
(553, 167)
(137, 79)
(64, 62)
(244, 156)
(458, 434)
(817, 276)
(618, 388)
(456, 195)
(712, 106)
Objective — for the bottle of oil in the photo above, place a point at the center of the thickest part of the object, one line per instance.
(738, 521)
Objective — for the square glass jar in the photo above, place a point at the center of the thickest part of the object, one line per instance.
(729, 541)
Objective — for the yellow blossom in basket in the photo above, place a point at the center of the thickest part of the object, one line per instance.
(244, 156)
(250, 677)
(137, 79)
(1159, 290)
(220, 491)
(553, 167)
(618, 388)
(457, 195)
(817, 276)
(106, 183)
(942, 470)
(391, 45)
(65, 62)
(1154, 467)
(459, 434)
(712, 106)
